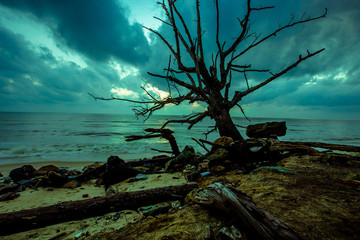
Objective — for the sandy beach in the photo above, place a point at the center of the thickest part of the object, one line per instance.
(315, 193)
(31, 198)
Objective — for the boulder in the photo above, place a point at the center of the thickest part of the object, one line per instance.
(54, 179)
(117, 170)
(44, 170)
(22, 173)
(266, 130)
(72, 184)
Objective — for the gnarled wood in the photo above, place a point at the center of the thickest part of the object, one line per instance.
(75, 210)
(256, 223)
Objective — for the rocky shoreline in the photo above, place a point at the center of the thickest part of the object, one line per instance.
(314, 192)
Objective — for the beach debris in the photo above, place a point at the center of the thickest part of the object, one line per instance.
(7, 180)
(5, 188)
(72, 184)
(276, 168)
(117, 170)
(138, 177)
(203, 174)
(266, 130)
(154, 210)
(255, 222)
(184, 158)
(55, 179)
(22, 173)
(109, 191)
(231, 233)
(82, 234)
(9, 196)
(288, 149)
(23, 220)
(23, 184)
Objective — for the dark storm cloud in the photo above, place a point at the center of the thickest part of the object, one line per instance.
(98, 29)
(32, 75)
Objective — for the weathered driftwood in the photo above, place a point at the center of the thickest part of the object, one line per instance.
(340, 147)
(292, 148)
(162, 132)
(265, 130)
(23, 220)
(256, 223)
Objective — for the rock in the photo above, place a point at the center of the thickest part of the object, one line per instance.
(9, 196)
(5, 188)
(22, 173)
(1, 174)
(138, 178)
(44, 170)
(218, 157)
(223, 141)
(266, 130)
(23, 184)
(117, 170)
(185, 157)
(85, 195)
(72, 184)
(56, 180)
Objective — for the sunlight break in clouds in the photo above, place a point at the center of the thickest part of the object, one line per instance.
(124, 70)
(151, 89)
(124, 93)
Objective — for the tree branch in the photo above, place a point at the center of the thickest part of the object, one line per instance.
(239, 95)
(191, 119)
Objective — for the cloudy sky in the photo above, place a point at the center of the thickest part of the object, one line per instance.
(54, 52)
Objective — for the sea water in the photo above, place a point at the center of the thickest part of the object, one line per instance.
(44, 137)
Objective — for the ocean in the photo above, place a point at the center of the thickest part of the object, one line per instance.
(46, 137)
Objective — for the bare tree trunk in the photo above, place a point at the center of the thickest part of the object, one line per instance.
(225, 124)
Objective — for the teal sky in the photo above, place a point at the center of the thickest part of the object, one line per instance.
(52, 53)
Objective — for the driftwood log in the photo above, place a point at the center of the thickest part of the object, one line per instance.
(340, 147)
(256, 223)
(266, 130)
(23, 220)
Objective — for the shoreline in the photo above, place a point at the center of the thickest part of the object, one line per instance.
(70, 161)
(6, 168)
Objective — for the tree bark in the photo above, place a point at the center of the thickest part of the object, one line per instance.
(255, 222)
(23, 220)
(225, 124)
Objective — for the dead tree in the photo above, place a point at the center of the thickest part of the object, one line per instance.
(206, 84)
